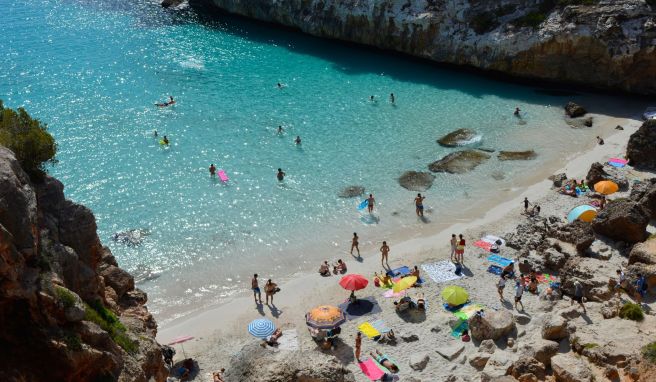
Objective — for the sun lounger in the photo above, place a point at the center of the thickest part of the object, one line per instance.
(499, 260)
(371, 369)
(368, 330)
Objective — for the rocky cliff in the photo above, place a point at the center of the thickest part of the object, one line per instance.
(599, 43)
(67, 312)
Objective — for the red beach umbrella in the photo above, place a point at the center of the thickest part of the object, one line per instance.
(353, 282)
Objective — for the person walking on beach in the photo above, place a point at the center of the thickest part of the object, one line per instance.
(501, 285)
(519, 291)
(526, 204)
(454, 243)
(392, 98)
(212, 169)
(578, 295)
(280, 175)
(621, 282)
(460, 250)
(370, 203)
(270, 288)
(256, 289)
(600, 141)
(354, 243)
(419, 205)
(358, 346)
(384, 251)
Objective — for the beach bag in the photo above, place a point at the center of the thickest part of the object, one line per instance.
(276, 290)
(458, 269)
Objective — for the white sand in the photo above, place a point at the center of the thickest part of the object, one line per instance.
(221, 331)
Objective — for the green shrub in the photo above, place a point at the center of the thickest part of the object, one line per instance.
(65, 296)
(591, 345)
(631, 311)
(72, 341)
(649, 350)
(96, 312)
(483, 22)
(28, 138)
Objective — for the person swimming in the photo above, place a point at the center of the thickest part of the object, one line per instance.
(165, 140)
(170, 102)
(155, 133)
(212, 169)
(281, 175)
(280, 130)
(297, 140)
(517, 111)
(371, 99)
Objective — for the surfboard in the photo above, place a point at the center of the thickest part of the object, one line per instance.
(363, 204)
(222, 176)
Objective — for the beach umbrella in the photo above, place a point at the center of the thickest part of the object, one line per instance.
(180, 340)
(606, 187)
(325, 317)
(584, 212)
(404, 283)
(353, 282)
(454, 295)
(261, 328)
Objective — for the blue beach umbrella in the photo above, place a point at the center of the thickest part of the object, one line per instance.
(584, 212)
(261, 328)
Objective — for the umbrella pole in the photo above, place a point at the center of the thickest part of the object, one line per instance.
(183, 351)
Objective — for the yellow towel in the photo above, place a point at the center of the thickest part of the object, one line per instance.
(368, 330)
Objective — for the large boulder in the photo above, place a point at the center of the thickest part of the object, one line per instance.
(644, 193)
(416, 181)
(599, 172)
(577, 233)
(457, 138)
(569, 368)
(517, 155)
(171, 3)
(492, 325)
(351, 192)
(574, 110)
(643, 253)
(593, 274)
(118, 279)
(622, 220)
(554, 328)
(640, 149)
(459, 162)
(528, 365)
(540, 349)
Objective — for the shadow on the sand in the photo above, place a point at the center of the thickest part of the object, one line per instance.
(275, 312)
(178, 368)
(260, 309)
(413, 315)
(341, 351)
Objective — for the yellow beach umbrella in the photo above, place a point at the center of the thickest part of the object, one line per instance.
(454, 295)
(404, 283)
(606, 187)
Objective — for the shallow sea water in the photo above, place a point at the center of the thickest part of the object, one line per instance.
(93, 71)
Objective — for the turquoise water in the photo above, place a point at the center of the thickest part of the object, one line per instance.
(94, 69)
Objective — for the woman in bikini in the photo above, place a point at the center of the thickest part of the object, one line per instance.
(354, 243)
(384, 361)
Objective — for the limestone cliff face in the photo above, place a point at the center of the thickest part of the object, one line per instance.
(600, 43)
(67, 312)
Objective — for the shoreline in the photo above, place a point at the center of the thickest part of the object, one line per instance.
(226, 321)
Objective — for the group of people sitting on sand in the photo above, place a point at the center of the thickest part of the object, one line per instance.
(338, 267)
(572, 188)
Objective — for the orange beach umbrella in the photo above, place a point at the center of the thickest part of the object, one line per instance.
(325, 317)
(606, 187)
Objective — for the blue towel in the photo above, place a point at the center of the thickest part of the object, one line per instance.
(453, 308)
(499, 260)
(400, 271)
(495, 269)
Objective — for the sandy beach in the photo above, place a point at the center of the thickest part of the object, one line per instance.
(220, 332)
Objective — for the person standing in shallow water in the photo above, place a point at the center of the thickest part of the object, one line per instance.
(212, 169)
(517, 111)
(370, 203)
(354, 243)
(281, 175)
(256, 289)
(419, 200)
(297, 140)
(384, 251)
(392, 98)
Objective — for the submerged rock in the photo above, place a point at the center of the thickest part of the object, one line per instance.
(459, 162)
(577, 123)
(131, 237)
(573, 110)
(459, 137)
(351, 192)
(517, 155)
(416, 181)
(640, 151)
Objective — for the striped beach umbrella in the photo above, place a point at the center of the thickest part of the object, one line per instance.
(261, 328)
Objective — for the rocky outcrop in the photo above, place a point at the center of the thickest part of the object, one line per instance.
(568, 368)
(351, 192)
(608, 44)
(644, 193)
(622, 220)
(640, 149)
(456, 138)
(57, 305)
(642, 259)
(517, 155)
(528, 365)
(459, 162)
(599, 172)
(416, 181)
(492, 325)
(256, 364)
(574, 110)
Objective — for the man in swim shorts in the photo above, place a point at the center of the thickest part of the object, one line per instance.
(256, 289)
(281, 175)
(212, 169)
(419, 205)
(371, 202)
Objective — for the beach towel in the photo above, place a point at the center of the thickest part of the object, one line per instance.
(383, 368)
(493, 239)
(495, 269)
(442, 271)
(391, 294)
(460, 328)
(400, 271)
(368, 330)
(499, 260)
(362, 307)
(371, 370)
(483, 245)
(453, 308)
(467, 311)
(380, 326)
(289, 340)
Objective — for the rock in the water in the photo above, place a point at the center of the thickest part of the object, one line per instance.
(568, 368)
(416, 181)
(493, 325)
(640, 150)
(517, 155)
(459, 162)
(528, 365)
(418, 361)
(554, 328)
(457, 138)
(574, 111)
(578, 123)
(351, 192)
(131, 237)
(558, 179)
(622, 220)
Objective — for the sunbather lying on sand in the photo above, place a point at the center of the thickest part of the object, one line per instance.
(383, 360)
(273, 340)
